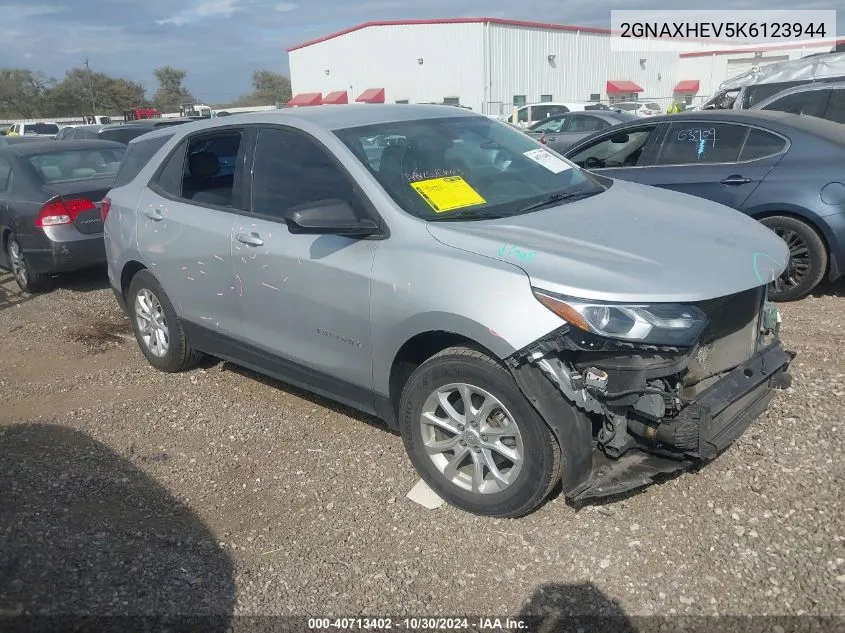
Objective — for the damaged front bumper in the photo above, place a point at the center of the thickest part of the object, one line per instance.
(642, 431)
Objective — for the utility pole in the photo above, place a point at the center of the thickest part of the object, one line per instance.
(91, 88)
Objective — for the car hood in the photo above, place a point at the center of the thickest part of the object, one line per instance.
(630, 243)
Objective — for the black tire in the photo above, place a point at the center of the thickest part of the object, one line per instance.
(179, 356)
(27, 280)
(541, 464)
(807, 258)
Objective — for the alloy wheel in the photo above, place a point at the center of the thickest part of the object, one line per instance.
(799, 264)
(471, 438)
(152, 325)
(18, 264)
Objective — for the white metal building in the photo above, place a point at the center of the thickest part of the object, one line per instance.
(488, 64)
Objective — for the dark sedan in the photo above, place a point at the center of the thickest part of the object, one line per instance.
(50, 221)
(561, 131)
(123, 132)
(784, 169)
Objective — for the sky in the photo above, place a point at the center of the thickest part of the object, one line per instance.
(221, 42)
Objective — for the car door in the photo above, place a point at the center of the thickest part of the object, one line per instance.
(702, 158)
(185, 222)
(620, 153)
(575, 128)
(305, 298)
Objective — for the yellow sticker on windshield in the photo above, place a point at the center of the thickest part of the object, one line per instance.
(447, 194)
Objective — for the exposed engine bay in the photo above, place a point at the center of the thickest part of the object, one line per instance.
(656, 408)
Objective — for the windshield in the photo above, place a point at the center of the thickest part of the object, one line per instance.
(467, 167)
(79, 164)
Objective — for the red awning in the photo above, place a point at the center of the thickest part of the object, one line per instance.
(687, 85)
(371, 95)
(622, 87)
(336, 98)
(306, 99)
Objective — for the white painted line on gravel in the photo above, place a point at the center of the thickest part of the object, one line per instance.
(425, 496)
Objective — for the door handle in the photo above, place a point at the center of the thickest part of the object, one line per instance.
(154, 214)
(250, 239)
(735, 180)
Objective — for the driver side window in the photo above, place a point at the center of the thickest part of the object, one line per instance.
(622, 149)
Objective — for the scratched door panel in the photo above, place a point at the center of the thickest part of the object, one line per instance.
(189, 251)
(305, 297)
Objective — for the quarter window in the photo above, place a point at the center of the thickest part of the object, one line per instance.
(696, 142)
(760, 144)
(291, 170)
(623, 149)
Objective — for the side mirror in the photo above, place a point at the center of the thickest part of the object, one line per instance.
(619, 138)
(329, 217)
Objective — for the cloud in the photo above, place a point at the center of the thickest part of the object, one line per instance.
(208, 9)
(286, 6)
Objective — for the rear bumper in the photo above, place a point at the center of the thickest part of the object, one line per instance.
(63, 249)
(719, 415)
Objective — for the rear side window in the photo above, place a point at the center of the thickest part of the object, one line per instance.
(696, 142)
(760, 144)
(137, 155)
(41, 128)
(809, 102)
(836, 107)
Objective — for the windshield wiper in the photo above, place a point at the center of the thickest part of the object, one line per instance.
(558, 197)
(467, 214)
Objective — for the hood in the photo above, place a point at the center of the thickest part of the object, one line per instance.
(631, 243)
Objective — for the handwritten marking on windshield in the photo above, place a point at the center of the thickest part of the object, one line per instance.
(514, 252)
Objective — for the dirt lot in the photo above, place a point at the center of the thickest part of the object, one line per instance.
(127, 491)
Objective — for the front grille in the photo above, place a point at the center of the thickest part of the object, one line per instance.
(731, 335)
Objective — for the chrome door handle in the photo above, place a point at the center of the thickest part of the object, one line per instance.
(735, 180)
(250, 239)
(154, 214)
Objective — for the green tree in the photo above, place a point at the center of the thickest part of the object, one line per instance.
(23, 93)
(171, 93)
(79, 92)
(270, 88)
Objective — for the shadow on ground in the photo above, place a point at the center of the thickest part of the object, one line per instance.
(84, 533)
(583, 607)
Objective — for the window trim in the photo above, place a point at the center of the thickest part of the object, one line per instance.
(369, 206)
(239, 189)
(748, 127)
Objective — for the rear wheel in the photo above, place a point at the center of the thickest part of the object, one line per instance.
(27, 280)
(474, 437)
(157, 328)
(807, 258)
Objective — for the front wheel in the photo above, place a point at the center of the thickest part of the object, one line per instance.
(474, 437)
(807, 258)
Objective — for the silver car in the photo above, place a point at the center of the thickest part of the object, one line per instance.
(521, 321)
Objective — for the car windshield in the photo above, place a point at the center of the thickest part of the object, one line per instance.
(465, 167)
(78, 164)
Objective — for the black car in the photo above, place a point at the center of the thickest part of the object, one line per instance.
(50, 194)
(784, 169)
(122, 132)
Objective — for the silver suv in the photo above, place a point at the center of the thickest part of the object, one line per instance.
(521, 321)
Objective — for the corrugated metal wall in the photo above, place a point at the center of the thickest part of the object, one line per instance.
(387, 57)
(583, 63)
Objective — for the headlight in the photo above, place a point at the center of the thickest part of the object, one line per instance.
(656, 323)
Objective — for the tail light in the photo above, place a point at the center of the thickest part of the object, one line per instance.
(58, 212)
(105, 207)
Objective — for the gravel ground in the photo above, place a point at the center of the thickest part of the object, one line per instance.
(218, 491)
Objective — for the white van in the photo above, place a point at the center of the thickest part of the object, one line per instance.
(41, 128)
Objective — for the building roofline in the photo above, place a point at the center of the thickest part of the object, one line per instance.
(762, 48)
(479, 20)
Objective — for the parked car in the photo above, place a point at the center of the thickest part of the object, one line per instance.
(79, 132)
(638, 108)
(123, 132)
(562, 130)
(41, 128)
(531, 113)
(823, 100)
(782, 169)
(438, 292)
(50, 195)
